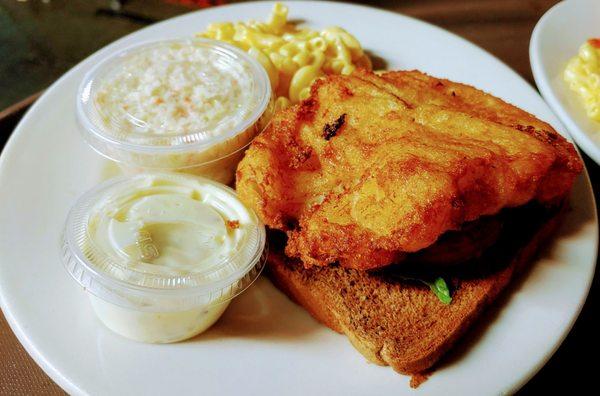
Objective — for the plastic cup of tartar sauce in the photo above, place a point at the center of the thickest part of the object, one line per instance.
(185, 105)
(162, 255)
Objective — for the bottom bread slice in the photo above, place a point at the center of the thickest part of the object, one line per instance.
(398, 323)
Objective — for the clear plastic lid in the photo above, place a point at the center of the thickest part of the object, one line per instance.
(132, 274)
(171, 96)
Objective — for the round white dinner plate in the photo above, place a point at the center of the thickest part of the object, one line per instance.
(556, 39)
(265, 344)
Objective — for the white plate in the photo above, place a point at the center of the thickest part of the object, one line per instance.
(264, 344)
(556, 39)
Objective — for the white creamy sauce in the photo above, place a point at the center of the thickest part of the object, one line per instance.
(162, 227)
(171, 226)
(157, 327)
(175, 89)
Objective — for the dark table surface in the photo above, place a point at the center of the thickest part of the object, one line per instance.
(41, 39)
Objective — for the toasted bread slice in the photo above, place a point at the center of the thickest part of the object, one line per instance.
(403, 324)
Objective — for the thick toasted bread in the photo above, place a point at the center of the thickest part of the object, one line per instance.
(403, 324)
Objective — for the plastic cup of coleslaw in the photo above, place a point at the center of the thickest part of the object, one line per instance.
(185, 105)
(162, 255)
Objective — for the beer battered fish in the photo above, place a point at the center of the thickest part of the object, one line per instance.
(370, 168)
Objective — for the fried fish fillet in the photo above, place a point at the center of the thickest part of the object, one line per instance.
(371, 167)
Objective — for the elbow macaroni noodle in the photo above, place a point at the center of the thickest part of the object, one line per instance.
(293, 58)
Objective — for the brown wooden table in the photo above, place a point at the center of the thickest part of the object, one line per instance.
(501, 27)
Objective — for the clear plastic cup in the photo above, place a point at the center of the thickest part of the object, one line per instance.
(129, 293)
(185, 105)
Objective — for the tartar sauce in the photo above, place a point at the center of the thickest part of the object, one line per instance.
(160, 227)
(166, 253)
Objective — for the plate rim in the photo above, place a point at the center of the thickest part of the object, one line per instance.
(8, 151)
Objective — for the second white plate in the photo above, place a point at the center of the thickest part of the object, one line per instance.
(556, 39)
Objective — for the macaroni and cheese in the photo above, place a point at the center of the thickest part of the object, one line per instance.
(293, 58)
(583, 76)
